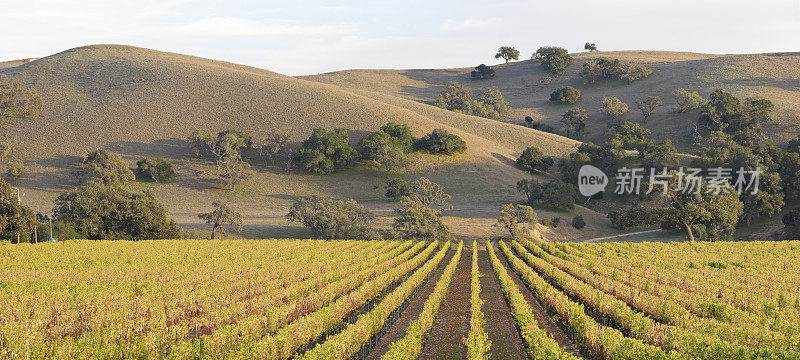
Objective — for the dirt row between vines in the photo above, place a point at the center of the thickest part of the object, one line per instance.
(446, 339)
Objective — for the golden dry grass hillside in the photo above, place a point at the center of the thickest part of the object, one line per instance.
(524, 85)
(137, 102)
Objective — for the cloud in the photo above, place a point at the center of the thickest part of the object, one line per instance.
(470, 24)
(241, 27)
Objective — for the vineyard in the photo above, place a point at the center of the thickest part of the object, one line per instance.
(308, 299)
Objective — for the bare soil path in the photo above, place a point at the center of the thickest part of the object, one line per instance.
(542, 317)
(397, 330)
(446, 338)
(506, 340)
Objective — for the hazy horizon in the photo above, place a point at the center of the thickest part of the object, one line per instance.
(314, 36)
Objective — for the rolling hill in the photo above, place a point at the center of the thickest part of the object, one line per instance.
(138, 102)
(774, 76)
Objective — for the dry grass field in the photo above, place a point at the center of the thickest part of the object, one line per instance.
(774, 76)
(137, 102)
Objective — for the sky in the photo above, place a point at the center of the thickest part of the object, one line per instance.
(309, 37)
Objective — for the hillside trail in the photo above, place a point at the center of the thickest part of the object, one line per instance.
(446, 338)
(543, 319)
(398, 329)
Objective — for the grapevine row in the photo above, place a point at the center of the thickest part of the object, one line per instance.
(538, 343)
(477, 341)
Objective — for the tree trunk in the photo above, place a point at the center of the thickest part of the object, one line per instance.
(688, 231)
(214, 231)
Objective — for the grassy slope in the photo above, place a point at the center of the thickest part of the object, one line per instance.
(138, 102)
(775, 76)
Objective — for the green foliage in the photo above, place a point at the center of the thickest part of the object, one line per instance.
(389, 159)
(556, 221)
(630, 136)
(439, 141)
(419, 222)
(513, 215)
(489, 104)
(507, 53)
(333, 219)
(604, 68)
(371, 145)
(110, 212)
(232, 170)
(648, 105)
(554, 60)
(702, 215)
(397, 188)
(612, 109)
(16, 169)
(226, 143)
(533, 160)
(157, 169)
(17, 102)
(791, 224)
(273, 147)
(590, 46)
(604, 157)
(687, 100)
(107, 168)
(537, 125)
(325, 152)
(220, 215)
(399, 136)
(429, 194)
(545, 222)
(555, 194)
(578, 222)
(742, 121)
(574, 121)
(482, 72)
(15, 218)
(565, 95)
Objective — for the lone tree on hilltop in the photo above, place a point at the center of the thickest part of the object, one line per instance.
(221, 214)
(590, 46)
(507, 53)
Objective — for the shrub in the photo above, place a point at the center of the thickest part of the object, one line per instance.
(104, 167)
(555, 194)
(399, 136)
(565, 95)
(16, 170)
(157, 169)
(420, 222)
(604, 68)
(556, 221)
(489, 104)
(533, 160)
(15, 218)
(325, 152)
(578, 222)
(482, 72)
(537, 125)
(397, 188)
(687, 100)
(442, 142)
(110, 212)
(791, 224)
(333, 219)
(574, 121)
(545, 222)
(613, 108)
(554, 60)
